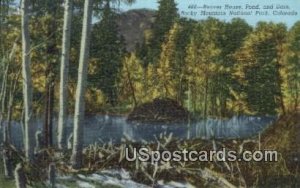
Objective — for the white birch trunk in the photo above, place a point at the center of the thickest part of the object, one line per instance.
(20, 175)
(76, 158)
(64, 71)
(27, 82)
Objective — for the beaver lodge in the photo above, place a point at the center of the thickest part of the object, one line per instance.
(159, 111)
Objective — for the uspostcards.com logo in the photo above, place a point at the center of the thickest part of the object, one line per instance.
(147, 155)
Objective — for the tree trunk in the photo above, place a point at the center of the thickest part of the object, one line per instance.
(48, 124)
(38, 141)
(46, 113)
(52, 175)
(131, 85)
(280, 79)
(50, 74)
(70, 143)
(64, 71)
(4, 13)
(27, 82)
(76, 158)
(50, 112)
(20, 174)
(3, 95)
(205, 98)
(8, 162)
(7, 154)
(296, 100)
(13, 87)
(189, 96)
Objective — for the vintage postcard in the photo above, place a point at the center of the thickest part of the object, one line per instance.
(149, 93)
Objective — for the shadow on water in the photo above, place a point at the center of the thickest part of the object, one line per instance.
(103, 129)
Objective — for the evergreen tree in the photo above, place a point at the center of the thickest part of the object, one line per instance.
(5, 7)
(182, 41)
(141, 51)
(168, 67)
(132, 80)
(203, 65)
(259, 68)
(151, 83)
(108, 49)
(292, 88)
(48, 12)
(165, 18)
(235, 33)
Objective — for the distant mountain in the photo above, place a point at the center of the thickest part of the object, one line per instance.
(132, 25)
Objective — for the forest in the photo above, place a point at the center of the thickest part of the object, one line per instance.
(61, 59)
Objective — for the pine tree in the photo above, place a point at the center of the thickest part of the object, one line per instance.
(132, 80)
(5, 10)
(48, 12)
(151, 84)
(168, 67)
(229, 88)
(165, 18)
(202, 66)
(108, 49)
(292, 88)
(260, 68)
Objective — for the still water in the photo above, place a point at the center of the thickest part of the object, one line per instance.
(101, 129)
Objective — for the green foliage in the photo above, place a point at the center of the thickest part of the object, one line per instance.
(107, 48)
(292, 87)
(42, 7)
(164, 19)
(5, 10)
(260, 59)
(203, 66)
(169, 68)
(214, 68)
(132, 81)
(230, 90)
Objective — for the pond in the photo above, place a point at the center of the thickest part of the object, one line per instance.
(103, 128)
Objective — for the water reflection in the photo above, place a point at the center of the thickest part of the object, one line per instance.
(113, 128)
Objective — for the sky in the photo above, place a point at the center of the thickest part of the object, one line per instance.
(182, 5)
